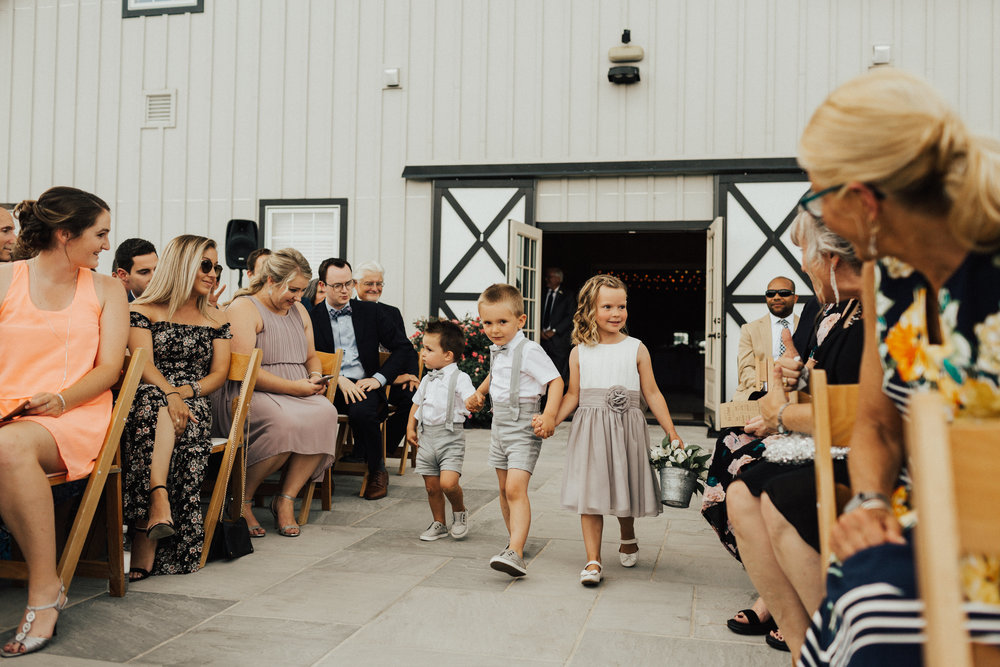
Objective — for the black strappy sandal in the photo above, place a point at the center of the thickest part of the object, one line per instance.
(158, 531)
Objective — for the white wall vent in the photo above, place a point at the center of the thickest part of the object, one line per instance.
(161, 108)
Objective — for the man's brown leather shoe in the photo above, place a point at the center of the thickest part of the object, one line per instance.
(378, 485)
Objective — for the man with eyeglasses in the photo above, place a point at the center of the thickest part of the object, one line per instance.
(761, 339)
(135, 261)
(359, 328)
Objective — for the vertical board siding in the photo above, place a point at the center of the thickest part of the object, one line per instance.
(285, 99)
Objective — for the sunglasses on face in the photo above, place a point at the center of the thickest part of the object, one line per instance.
(785, 293)
(207, 266)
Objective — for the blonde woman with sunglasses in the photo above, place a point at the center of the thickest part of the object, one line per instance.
(167, 436)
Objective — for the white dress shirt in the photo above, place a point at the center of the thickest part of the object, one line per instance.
(432, 397)
(537, 370)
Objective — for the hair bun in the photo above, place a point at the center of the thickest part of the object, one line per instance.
(26, 206)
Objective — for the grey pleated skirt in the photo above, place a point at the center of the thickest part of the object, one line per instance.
(607, 458)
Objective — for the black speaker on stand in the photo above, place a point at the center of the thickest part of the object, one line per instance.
(241, 240)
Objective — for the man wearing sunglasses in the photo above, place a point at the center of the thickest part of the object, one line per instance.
(761, 339)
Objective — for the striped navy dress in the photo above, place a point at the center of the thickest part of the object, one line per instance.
(872, 612)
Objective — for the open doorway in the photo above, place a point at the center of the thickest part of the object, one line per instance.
(665, 274)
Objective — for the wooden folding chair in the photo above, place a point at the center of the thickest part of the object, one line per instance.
(403, 450)
(954, 470)
(765, 367)
(834, 409)
(104, 480)
(331, 366)
(243, 368)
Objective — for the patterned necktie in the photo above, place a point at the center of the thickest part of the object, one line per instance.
(781, 340)
(334, 314)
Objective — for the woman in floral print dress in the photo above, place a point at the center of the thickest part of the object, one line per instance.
(896, 172)
(167, 435)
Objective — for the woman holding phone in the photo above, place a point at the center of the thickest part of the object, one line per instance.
(64, 329)
(292, 424)
(167, 437)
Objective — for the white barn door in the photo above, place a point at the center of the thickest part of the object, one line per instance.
(470, 245)
(758, 213)
(713, 322)
(524, 263)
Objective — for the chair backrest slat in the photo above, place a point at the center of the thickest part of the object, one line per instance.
(954, 470)
(834, 410)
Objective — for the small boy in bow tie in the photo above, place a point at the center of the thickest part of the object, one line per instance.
(436, 427)
(520, 372)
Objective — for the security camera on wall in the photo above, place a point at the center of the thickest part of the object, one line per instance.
(626, 53)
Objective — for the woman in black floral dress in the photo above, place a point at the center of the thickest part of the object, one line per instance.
(167, 436)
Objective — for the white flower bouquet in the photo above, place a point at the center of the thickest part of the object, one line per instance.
(669, 454)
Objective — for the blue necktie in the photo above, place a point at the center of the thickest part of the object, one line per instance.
(334, 314)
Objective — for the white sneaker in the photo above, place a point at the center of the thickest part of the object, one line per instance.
(591, 577)
(629, 560)
(435, 531)
(508, 561)
(459, 525)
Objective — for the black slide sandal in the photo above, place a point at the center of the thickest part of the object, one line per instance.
(754, 626)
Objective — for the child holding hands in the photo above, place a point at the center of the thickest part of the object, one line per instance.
(519, 372)
(436, 427)
(607, 459)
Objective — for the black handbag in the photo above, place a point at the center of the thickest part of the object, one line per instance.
(231, 540)
(232, 536)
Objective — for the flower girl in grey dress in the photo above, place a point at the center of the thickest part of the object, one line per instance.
(607, 459)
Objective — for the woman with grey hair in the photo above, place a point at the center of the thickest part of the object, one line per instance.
(769, 507)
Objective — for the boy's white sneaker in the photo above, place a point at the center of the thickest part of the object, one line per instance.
(435, 531)
(508, 561)
(460, 525)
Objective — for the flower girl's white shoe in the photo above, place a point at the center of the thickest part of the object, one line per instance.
(591, 577)
(629, 560)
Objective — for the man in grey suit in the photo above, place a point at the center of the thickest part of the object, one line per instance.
(761, 339)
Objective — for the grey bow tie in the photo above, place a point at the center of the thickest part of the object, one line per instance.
(435, 375)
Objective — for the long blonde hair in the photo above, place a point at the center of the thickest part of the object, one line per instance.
(175, 274)
(585, 319)
(281, 266)
(892, 130)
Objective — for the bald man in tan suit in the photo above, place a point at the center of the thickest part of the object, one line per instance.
(761, 339)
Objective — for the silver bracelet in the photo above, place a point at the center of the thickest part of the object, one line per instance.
(781, 425)
(311, 373)
(63, 401)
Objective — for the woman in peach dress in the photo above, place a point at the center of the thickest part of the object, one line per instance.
(63, 329)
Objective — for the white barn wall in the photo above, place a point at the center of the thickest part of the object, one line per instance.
(283, 99)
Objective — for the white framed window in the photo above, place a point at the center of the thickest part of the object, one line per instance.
(133, 8)
(315, 227)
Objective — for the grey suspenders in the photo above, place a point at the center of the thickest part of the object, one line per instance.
(450, 413)
(514, 397)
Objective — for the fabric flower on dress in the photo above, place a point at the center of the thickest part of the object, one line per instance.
(896, 268)
(617, 398)
(988, 336)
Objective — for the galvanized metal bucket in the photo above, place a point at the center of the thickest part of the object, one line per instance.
(676, 486)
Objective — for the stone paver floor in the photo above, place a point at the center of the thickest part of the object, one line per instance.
(358, 587)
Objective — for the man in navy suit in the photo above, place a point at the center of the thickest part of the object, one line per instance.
(359, 327)
(558, 307)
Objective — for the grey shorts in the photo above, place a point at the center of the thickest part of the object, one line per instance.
(513, 443)
(440, 449)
